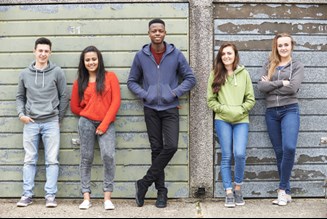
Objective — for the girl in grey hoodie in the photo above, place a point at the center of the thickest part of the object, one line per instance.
(281, 80)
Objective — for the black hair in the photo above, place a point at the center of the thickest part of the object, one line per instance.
(43, 40)
(157, 21)
(83, 74)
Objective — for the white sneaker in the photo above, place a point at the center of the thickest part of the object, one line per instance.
(108, 205)
(283, 199)
(288, 197)
(86, 204)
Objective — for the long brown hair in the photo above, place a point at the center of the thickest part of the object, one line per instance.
(220, 72)
(274, 58)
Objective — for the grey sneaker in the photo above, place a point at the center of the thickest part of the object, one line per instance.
(50, 202)
(230, 201)
(24, 201)
(239, 198)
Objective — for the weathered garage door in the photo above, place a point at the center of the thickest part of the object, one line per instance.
(119, 30)
(251, 27)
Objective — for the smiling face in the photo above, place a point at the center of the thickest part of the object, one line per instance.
(284, 47)
(91, 62)
(157, 33)
(42, 54)
(228, 56)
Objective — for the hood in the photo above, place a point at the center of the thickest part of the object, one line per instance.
(237, 71)
(169, 48)
(51, 66)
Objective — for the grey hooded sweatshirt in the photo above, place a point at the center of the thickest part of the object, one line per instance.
(278, 95)
(42, 94)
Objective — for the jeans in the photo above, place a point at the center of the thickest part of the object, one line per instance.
(107, 143)
(233, 139)
(283, 125)
(163, 132)
(50, 134)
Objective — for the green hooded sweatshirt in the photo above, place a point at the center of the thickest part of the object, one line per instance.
(235, 98)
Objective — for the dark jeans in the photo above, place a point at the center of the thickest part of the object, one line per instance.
(283, 125)
(163, 132)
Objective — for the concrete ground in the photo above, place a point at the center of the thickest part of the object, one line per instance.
(177, 208)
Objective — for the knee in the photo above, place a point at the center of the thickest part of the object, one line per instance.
(108, 158)
(239, 156)
(289, 150)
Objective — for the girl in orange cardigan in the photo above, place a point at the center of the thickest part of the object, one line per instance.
(96, 99)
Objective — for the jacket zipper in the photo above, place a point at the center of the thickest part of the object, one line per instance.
(277, 97)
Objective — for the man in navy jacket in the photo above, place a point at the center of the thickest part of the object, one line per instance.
(155, 78)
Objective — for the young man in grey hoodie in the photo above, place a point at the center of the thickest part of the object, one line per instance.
(41, 101)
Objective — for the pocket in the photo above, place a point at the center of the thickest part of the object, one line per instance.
(151, 96)
(41, 108)
(232, 113)
(167, 94)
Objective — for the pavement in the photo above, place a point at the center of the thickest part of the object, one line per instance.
(177, 208)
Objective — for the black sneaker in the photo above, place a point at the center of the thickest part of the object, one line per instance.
(161, 200)
(140, 193)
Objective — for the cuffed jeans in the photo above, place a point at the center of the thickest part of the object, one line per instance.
(283, 125)
(163, 132)
(87, 129)
(233, 139)
(50, 134)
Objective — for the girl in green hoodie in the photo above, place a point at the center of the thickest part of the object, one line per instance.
(230, 95)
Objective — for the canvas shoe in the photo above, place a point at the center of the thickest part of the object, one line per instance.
(86, 204)
(239, 198)
(108, 205)
(288, 198)
(282, 199)
(50, 202)
(24, 201)
(230, 201)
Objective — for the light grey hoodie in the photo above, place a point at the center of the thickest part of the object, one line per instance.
(42, 94)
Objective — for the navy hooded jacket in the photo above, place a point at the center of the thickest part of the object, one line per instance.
(158, 85)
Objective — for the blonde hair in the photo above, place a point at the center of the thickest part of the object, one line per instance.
(274, 58)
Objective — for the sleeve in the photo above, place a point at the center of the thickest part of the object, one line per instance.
(212, 99)
(135, 78)
(295, 82)
(268, 86)
(21, 97)
(75, 101)
(63, 95)
(249, 98)
(187, 74)
(115, 103)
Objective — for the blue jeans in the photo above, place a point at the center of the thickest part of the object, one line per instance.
(233, 139)
(283, 125)
(107, 144)
(50, 134)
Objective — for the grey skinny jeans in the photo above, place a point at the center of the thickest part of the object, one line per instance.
(107, 142)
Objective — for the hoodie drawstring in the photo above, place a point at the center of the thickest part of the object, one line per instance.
(291, 71)
(36, 78)
(235, 81)
(43, 80)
